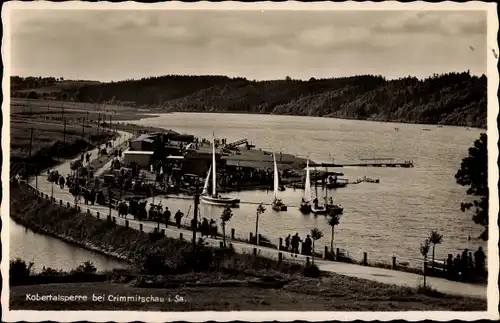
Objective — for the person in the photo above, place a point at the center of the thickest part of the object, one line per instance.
(166, 216)
(449, 266)
(480, 258)
(205, 228)
(307, 246)
(457, 264)
(287, 241)
(465, 264)
(178, 217)
(61, 182)
(295, 243)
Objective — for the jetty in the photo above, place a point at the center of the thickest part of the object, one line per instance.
(370, 162)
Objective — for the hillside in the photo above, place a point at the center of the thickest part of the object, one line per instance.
(452, 99)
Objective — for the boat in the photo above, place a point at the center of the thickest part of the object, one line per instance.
(305, 205)
(214, 198)
(333, 208)
(278, 204)
(318, 209)
(333, 182)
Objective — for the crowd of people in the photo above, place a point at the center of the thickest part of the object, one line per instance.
(466, 266)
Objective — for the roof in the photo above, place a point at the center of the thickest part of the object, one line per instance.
(144, 137)
(138, 152)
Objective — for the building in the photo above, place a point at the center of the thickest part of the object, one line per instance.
(144, 142)
(141, 158)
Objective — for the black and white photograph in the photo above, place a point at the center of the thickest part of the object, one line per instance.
(249, 161)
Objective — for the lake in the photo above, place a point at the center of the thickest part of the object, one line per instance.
(390, 218)
(47, 251)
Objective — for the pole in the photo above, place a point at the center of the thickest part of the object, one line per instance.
(62, 113)
(196, 202)
(83, 127)
(64, 135)
(36, 179)
(52, 193)
(31, 141)
(98, 122)
(109, 193)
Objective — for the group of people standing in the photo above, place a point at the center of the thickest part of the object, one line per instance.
(463, 267)
(292, 244)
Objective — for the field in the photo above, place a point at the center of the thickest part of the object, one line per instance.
(74, 110)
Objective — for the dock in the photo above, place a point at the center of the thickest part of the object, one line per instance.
(370, 162)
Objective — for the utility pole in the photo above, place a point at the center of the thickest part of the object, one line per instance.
(62, 113)
(110, 195)
(64, 135)
(196, 202)
(83, 127)
(31, 141)
(36, 178)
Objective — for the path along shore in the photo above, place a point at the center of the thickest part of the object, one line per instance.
(386, 276)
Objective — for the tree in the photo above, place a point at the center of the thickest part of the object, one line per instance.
(333, 220)
(316, 234)
(424, 250)
(473, 173)
(434, 238)
(226, 215)
(260, 210)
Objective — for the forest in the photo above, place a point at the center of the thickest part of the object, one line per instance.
(447, 99)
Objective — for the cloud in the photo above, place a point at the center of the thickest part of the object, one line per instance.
(435, 22)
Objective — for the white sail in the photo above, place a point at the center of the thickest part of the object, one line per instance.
(276, 178)
(214, 171)
(205, 187)
(307, 188)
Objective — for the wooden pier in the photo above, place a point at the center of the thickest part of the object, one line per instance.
(372, 162)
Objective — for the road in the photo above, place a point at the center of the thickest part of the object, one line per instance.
(386, 276)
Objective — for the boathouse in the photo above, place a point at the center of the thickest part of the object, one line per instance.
(141, 158)
(144, 142)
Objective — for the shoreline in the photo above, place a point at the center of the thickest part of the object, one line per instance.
(381, 120)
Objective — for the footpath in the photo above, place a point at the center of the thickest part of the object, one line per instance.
(381, 275)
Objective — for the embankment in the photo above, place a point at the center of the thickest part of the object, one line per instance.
(140, 249)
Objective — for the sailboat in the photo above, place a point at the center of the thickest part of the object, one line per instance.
(278, 204)
(214, 198)
(305, 205)
(316, 208)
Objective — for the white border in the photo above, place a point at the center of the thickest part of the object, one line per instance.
(67, 316)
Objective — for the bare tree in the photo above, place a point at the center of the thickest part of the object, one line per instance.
(424, 250)
(434, 238)
(260, 210)
(226, 215)
(333, 221)
(316, 234)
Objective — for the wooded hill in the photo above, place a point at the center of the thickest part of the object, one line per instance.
(452, 99)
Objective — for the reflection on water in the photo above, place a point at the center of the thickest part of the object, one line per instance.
(46, 251)
(385, 219)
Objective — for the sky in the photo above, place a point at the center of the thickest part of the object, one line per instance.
(116, 45)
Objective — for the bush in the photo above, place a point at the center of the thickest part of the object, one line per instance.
(87, 267)
(154, 265)
(47, 271)
(155, 235)
(19, 271)
(312, 271)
